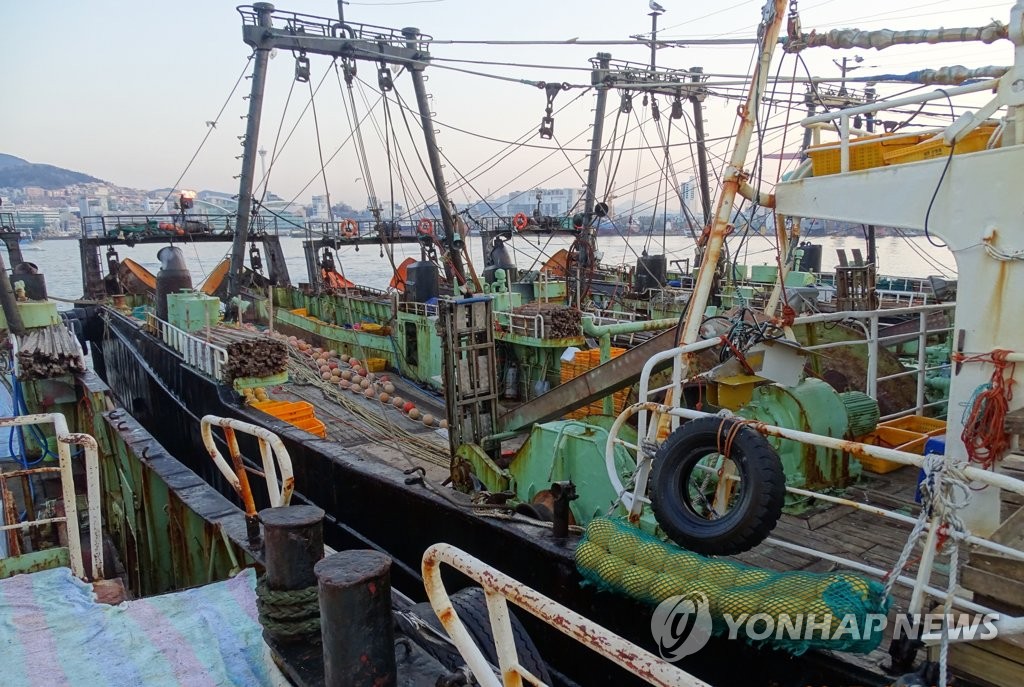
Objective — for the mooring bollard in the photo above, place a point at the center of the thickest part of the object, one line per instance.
(355, 617)
(286, 595)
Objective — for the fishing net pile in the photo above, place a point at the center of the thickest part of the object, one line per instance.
(618, 557)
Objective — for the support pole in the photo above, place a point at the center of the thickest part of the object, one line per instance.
(15, 325)
(597, 78)
(702, 150)
(453, 266)
(355, 619)
(252, 133)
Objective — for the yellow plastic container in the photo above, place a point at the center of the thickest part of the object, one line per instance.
(866, 152)
(376, 364)
(895, 438)
(371, 328)
(929, 150)
(301, 312)
(585, 361)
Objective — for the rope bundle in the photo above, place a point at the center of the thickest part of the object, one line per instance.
(289, 614)
(984, 433)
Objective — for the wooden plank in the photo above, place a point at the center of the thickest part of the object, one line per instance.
(984, 667)
(1013, 423)
(993, 586)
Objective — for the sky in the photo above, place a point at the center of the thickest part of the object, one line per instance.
(122, 90)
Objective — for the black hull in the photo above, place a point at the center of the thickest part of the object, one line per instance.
(370, 505)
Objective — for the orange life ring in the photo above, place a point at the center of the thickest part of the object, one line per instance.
(425, 226)
(520, 221)
(348, 228)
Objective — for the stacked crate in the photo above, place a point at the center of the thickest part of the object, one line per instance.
(584, 361)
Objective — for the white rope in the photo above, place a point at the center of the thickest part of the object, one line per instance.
(944, 492)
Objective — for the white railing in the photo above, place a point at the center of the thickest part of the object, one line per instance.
(272, 452)
(868, 320)
(521, 325)
(421, 309)
(65, 439)
(499, 589)
(202, 355)
(845, 115)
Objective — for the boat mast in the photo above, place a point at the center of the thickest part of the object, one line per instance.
(252, 134)
(734, 176)
(452, 239)
(702, 151)
(598, 77)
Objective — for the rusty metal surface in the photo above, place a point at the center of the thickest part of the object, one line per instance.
(617, 373)
(500, 588)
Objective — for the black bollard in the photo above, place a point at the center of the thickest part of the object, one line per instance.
(294, 541)
(355, 619)
(563, 493)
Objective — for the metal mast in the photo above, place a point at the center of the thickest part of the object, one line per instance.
(453, 242)
(252, 133)
(598, 78)
(702, 151)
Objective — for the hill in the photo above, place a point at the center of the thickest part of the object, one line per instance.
(16, 173)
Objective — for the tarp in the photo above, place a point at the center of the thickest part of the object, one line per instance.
(52, 632)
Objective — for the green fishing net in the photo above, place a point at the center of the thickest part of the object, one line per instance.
(846, 608)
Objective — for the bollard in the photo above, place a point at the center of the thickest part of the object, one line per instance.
(286, 596)
(355, 619)
(563, 493)
(294, 541)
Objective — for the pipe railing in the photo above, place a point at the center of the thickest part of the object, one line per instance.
(499, 589)
(202, 355)
(65, 439)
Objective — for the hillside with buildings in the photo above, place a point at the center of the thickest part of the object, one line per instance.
(18, 173)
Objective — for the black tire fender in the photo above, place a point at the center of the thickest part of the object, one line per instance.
(471, 607)
(750, 520)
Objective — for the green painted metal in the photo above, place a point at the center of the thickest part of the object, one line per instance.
(192, 311)
(241, 383)
(812, 406)
(34, 561)
(764, 274)
(35, 314)
(571, 450)
(494, 478)
(862, 412)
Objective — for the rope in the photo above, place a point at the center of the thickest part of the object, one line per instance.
(944, 492)
(288, 613)
(984, 433)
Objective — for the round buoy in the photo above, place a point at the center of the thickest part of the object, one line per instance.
(389, 387)
(353, 362)
(372, 377)
(428, 420)
(345, 357)
(369, 393)
(358, 370)
(333, 354)
(407, 406)
(333, 365)
(414, 414)
(365, 383)
(325, 376)
(443, 424)
(325, 368)
(384, 398)
(398, 402)
(344, 384)
(356, 378)
(346, 374)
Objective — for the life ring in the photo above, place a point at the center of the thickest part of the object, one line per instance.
(348, 228)
(753, 508)
(425, 226)
(520, 221)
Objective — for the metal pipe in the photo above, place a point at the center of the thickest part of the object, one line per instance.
(453, 265)
(252, 134)
(355, 619)
(599, 330)
(499, 589)
(976, 87)
(564, 493)
(702, 149)
(733, 177)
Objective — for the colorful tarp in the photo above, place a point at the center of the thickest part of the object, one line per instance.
(52, 632)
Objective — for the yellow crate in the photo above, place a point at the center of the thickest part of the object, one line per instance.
(376, 364)
(866, 152)
(301, 312)
(929, 150)
(891, 437)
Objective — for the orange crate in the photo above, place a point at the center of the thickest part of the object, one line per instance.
(376, 364)
(313, 426)
(930, 149)
(917, 423)
(866, 152)
(891, 437)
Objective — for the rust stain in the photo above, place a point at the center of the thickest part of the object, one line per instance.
(997, 298)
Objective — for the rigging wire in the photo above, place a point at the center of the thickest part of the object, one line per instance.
(320, 152)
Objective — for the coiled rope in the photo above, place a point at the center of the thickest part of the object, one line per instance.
(984, 433)
(288, 614)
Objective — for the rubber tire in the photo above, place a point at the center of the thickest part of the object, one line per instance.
(471, 607)
(750, 521)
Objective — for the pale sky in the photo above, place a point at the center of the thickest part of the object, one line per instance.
(121, 89)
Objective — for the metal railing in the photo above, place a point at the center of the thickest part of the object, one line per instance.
(70, 520)
(499, 589)
(273, 454)
(139, 225)
(521, 325)
(415, 308)
(199, 354)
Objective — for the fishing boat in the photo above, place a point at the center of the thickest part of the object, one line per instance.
(713, 444)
